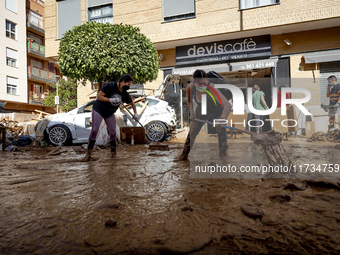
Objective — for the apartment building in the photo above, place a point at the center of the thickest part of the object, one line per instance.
(25, 72)
(13, 74)
(295, 43)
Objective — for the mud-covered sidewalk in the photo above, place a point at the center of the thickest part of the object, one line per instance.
(142, 202)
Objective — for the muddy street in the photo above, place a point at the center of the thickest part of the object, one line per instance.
(144, 203)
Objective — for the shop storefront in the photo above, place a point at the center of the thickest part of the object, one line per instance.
(303, 59)
(242, 62)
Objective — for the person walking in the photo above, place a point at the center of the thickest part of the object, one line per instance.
(259, 104)
(333, 92)
(195, 90)
(108, 100)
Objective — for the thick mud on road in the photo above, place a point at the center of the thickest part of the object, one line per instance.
(142, 202)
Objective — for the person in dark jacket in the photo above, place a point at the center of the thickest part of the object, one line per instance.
(109, 98)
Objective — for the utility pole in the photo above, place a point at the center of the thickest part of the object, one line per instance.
(56, 99)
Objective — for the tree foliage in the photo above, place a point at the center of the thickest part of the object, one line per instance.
(67, 91)
(103, 52)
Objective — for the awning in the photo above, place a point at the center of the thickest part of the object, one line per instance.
(322, 56)
(228, 67)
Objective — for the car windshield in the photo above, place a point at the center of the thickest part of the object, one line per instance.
(152, 102)
(86, 108)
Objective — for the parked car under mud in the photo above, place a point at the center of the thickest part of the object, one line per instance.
(74, 127)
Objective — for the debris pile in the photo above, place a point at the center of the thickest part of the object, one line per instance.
(271, 144)
(13, 130)
(332, 136)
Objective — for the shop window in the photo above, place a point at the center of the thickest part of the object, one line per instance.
(178, 9)
(11, 5)
(10, 30)
(68, 16)
(101, 14)
(12, 85)
(246, 4)
(11, 57)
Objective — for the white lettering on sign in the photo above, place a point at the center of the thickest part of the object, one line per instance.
(258, 65)
(246, 45)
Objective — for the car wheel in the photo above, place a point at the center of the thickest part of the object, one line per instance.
(156, 131)
(59, 135)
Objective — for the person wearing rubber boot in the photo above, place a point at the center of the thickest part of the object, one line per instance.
(110, 96)
(195, 89)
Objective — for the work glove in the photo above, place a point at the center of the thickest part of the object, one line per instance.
(135, 116)
(115, 100)
(336, 105)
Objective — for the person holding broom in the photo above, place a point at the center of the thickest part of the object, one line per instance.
(108, 100)
(218, 108)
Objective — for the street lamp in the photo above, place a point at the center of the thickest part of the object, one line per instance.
(56, 99)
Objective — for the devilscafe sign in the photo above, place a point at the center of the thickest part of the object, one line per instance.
(249, 47)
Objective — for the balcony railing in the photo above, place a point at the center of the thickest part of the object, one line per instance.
(35, 46)
(35, 21)
(37, 98)
(41, 74)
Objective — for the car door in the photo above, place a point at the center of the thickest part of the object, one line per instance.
(82, 121)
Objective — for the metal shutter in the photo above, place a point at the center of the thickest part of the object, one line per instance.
(91, 3)
(12, 81)
(68, 16)
(11, 5)
(327, 69)
(12, 53)
(173, 8)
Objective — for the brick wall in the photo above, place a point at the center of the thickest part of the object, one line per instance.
(84, 93)
(52, 45)
(212, 18)
(219, 17)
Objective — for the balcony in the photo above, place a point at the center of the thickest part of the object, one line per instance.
(36, 98)
(36, 49)
(39, 75)
(35, 25)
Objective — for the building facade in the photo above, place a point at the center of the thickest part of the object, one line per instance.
(25, 71)
(294, 43)
(13, 52)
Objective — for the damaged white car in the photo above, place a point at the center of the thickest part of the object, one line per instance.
(158, 118)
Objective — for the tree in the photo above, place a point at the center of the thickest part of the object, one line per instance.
(67, 91)
(102, 52)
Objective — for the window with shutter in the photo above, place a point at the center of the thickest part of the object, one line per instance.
(246, 4)
(178, 9)
(68, 16)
